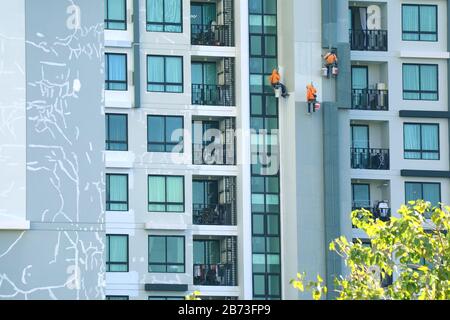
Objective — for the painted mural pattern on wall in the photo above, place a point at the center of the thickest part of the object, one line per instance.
(62, 255)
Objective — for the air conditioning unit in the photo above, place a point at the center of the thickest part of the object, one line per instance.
(381, 86)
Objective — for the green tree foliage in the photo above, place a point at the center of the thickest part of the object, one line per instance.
(413, 248)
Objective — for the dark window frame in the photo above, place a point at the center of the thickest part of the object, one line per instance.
(108, 263)
(353, 193)
(421, 150)
(166, 144)
(420, 92)
(367, 75)
(166, 264)
(164, 24)
(107, 81)
(368, 133)
(107, 140)
(166, 84)
(166, 204)
(419, 33)
(421, 189)
(108, 21)
(109, 202)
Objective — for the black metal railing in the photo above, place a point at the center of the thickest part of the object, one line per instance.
(369, 40)
(212, 95)
(216, 155)
(371, 159)
(381, 214)
(370, 99)
(211, 35)
(214, 275)
(213, 215)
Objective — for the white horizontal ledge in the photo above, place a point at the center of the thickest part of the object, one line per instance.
(14, 225)
(425, 54)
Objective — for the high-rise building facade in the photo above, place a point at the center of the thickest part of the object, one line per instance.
(211, 181)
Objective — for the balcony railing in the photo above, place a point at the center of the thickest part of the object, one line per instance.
(370, 99)
(222, 155)
(371, 159)
(213, 215)
(381, 214)
(211, 35)
(214, 275)
(369, 40)
(212, 95)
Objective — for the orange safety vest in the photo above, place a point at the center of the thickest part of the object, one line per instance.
(311, 93)
(275, 77)
(330, 58)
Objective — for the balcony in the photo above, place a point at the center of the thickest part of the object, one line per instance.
(211, 35)
(369, 40)
(381, 214)
(213, 141)
(212, 23)
(213, 215)
(370, 99)
(370, 159)
(213, 275)
(215, 261)
(212, 95)
(212, 81)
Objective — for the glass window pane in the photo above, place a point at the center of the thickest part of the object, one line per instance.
(259, 284)
(258, 224)
(255, 45)
(432, 193)
(174, 70)
(118, 249)
(173, 132)
(410, 18)
(259, 264)
(155, 129)
(428, 19)
(273, 285)
(258, 245)
(175, 189)
(175, 250)
(428, 78)
(155, 71)
(156, 189)
(413, 191)
(273, 225)
(157, 249)
(361, 196)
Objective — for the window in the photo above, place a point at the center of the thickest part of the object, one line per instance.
(420, 82)
(165, 193)
(165, 134)
(360, 196)
(117, 132)
(423, 191)
(117, 192)
(419, 22)
(421, 141)
(164, 15)
(116, 71)
(116, 14)
(116, 253)
(117, 298)
(166, 254)
(165, 74)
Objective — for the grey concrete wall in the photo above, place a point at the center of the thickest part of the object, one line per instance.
(61, 256)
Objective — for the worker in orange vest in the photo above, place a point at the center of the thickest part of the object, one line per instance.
(331, 61)
(275, 82)
(311, 97)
